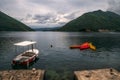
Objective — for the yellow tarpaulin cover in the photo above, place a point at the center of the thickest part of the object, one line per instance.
(92, 46)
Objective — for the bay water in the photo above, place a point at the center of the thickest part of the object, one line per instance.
(59, 61)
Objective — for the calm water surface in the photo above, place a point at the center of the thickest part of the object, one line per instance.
(60, 61)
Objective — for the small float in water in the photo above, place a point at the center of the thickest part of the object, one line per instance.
(85, 45)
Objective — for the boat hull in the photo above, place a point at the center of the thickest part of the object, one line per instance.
(81, 47)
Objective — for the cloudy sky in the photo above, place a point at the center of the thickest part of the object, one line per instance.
(53, 13)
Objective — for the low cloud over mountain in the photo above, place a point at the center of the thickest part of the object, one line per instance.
(54, 12)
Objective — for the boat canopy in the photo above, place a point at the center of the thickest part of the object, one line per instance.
(25, 43)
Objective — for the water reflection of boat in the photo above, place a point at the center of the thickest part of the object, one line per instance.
(28, 56)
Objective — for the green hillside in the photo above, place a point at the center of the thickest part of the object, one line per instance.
(94, 21)
(8, 23)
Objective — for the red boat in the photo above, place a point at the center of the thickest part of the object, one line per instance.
(81, 47)
(75, 47)
(28, 56)
(84, 46)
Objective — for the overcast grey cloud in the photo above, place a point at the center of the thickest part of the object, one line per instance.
(48, 18)
(52, 12)
(114, 5)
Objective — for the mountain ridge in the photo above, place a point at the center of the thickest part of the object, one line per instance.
(8, 23)
(94, 21)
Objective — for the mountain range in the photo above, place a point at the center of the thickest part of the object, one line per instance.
(8, 23)
(94, 21)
